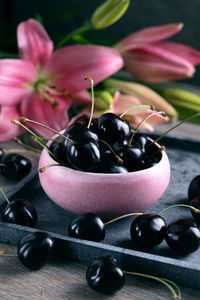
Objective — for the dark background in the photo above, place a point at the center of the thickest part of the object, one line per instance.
(61, 16)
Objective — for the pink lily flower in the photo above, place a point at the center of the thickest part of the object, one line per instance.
(152, 59)
(39, 85)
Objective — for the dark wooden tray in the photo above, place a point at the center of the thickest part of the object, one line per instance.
(184, 157)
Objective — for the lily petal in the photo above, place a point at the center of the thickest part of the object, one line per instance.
(186, 52)
(152, 64)
(70, 65)
(14, 75)
(33, 42)
(7, 129)
(148, 36)
(80, 98)
(55, 117)
(123, 103)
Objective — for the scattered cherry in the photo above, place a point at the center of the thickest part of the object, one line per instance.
(88, 227)
(15, 166)
(103, 275)
(148, 230)
(20, 212)
(194, 188)
(35, 249)
(183, 236)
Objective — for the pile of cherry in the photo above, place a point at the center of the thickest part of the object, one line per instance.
(108, 145)
(146, 230)
(14, 165)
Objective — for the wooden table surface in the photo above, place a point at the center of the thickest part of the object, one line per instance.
(63, 279)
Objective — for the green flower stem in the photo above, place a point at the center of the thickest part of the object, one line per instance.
(8, 55)
(196, 210)
(122, 217)
(85, 28)
(175, 296)
(4, 195)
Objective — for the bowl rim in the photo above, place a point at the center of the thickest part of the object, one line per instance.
(163, 154)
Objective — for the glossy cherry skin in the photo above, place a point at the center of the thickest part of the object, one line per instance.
(196, 203)
(111, 128)
(194, 188)
(88, 227)
(20, 212)
(93, 125)
(104, 276)
(1, 154)
(106, 153)
(84, 154)
(132, 157)
(151, 160)
(183, 236)
(35, 249)
(148, 230)
(77, 132)
(142, 140)
(110, 166)
(16, 166)
(59, 152)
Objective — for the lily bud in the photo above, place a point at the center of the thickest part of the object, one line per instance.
(108, 13)
(103, 100)
(184, 101)
(144, 94)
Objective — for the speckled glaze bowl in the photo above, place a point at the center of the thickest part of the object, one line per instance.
(107, 195)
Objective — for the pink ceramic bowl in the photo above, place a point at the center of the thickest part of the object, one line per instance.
(107, 195)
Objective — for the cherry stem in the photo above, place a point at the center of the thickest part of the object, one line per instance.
(4, 195)
(163, 281)
(91, 81)
(49, 139)
(162, 113)
(5, 254)
(2, 165)
(181, 122)
(36, 138)
(23, 151)
(113, 151)
(194, 209)
(175, 285)
(134, 107)
(43, 169)
(25, 120)
(122, 217)
(17, 140)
